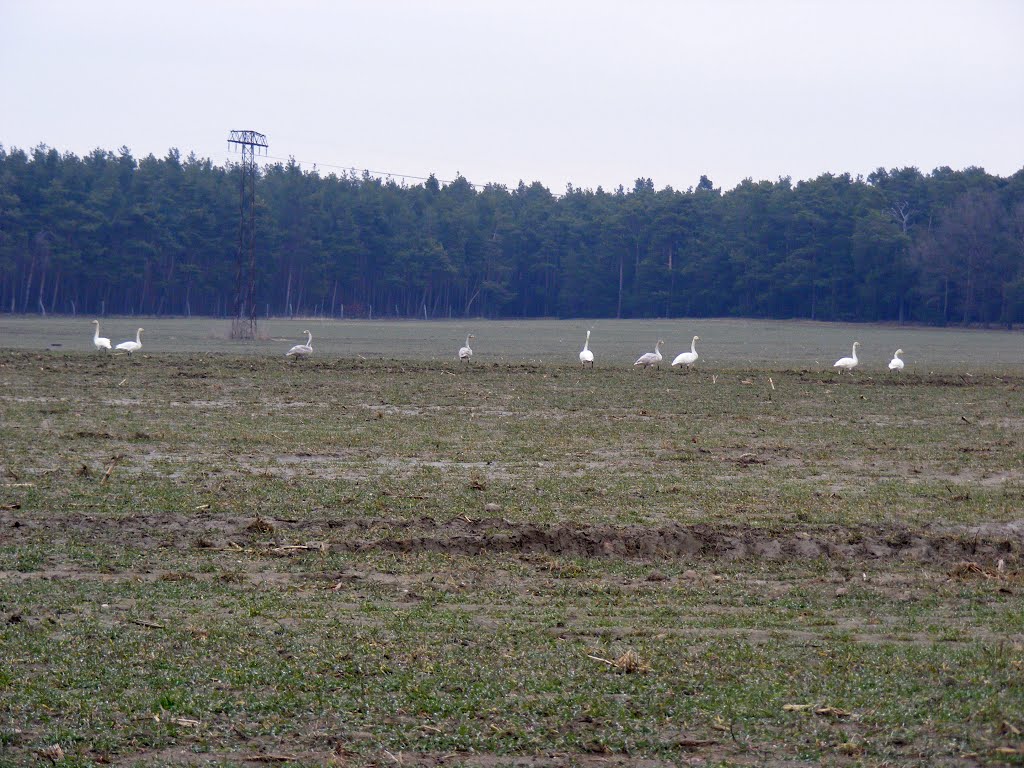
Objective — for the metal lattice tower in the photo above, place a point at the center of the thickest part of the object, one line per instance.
(243, 323)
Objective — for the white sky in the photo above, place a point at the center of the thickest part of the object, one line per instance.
(591, 92)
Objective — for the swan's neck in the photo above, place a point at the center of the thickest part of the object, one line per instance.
(586, 344)
(693, 346)
(138, 337)
(854, 355)
(309, 339)
(97, 334)
(467, 341)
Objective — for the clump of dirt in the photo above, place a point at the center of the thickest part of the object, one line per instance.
(259, 525)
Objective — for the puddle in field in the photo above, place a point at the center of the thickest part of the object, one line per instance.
(28, 399)
(342, 466)
(199, 404)
(490, 470)
(1010, 530)
(316, 458)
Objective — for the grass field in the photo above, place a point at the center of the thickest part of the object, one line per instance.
(210, 555)
(724, 343)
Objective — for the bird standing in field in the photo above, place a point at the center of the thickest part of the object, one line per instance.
(651, 358)
(586, 356)
(688, 358)
(466, 352)
(848, 363)
(302, 350)
(132, 346)
(896, 364)
(98, 341)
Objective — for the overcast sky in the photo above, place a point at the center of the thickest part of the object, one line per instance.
(592, 93)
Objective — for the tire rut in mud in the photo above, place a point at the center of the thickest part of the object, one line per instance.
(461, 536)
(493, 535)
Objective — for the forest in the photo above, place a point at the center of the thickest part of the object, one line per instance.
(111, 234)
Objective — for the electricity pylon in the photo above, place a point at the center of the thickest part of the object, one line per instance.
(243, 324)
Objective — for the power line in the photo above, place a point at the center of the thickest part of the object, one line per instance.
(389, 174)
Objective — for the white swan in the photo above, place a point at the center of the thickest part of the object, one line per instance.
(651, 358)
(132, 346)
(848, 363)
(586, 356)
(98, 341)
(896, 364)
(465, 353)
(302, 350)
(688, 358)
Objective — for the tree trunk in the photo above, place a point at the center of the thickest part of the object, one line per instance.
(288, 293)
(470, 302)
(42, 286)
(945, 301)
(28, 284)
(56, 286)
(618, 309)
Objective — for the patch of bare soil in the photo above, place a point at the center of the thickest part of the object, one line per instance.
(1011, 529)
(466, 536)
(693, 751)
(469, 536)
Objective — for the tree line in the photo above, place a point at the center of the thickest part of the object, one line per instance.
(111, 234)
